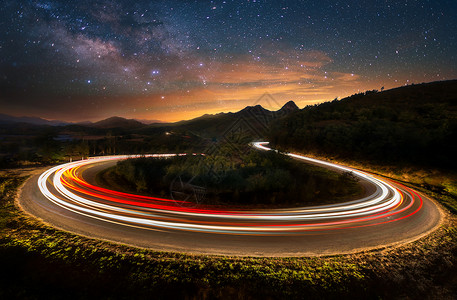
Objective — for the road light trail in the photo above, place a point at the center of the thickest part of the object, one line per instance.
(64, 186)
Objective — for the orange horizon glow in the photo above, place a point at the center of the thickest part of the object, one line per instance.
(180, 106)
(185, 106)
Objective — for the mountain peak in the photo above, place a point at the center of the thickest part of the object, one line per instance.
(289, 107)
(254, 109)
(115, 122)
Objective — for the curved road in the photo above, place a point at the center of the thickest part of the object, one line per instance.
(66, 197)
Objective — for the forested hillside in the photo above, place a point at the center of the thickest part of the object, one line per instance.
(412, 125)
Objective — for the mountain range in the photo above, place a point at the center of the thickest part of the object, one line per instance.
(256, 111)
(4, 119)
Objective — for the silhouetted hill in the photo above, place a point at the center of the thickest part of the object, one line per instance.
(254, 120)
(148, 122)
(257, 109)
(118, 122)
(411, 125)
(51, 144)
(4, 119)
(289, 107)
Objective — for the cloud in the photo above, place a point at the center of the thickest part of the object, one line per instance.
(345, 77)
(291, 73)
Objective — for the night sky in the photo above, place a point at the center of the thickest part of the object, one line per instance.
(173, 60)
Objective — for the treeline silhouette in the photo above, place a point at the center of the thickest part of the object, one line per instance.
(42, 144)
(413, 125)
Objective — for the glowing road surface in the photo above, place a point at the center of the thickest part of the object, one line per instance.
(388, 213)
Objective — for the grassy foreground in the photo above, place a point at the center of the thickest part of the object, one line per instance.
(38, 261)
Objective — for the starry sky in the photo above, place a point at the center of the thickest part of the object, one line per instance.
(175, 59)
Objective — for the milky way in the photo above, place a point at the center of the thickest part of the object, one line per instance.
(172, 60)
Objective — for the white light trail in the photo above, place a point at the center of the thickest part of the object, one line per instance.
(385, 202)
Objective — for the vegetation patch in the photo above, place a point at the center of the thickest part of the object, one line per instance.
(408, 126)
(256, 178)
